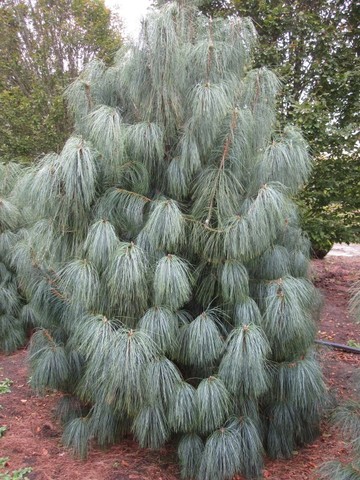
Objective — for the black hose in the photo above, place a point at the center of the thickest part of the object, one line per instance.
(339, 346)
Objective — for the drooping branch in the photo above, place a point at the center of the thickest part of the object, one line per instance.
(225, 153)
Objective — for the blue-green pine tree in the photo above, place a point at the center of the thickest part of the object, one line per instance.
(15, 319)
(162, 256)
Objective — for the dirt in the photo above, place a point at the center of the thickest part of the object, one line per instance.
(33, 435)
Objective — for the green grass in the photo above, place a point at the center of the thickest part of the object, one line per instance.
(4, 473)
(15, 474)
(5, 386)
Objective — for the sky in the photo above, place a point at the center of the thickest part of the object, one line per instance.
(131, 12)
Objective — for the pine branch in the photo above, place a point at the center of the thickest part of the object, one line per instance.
(161, 380)
(150, 427)
(207, 284)
(12, 335)
(347, 418)
(225, 154)
(281, 436)
(286, 161)
(126, 277)
(9, 299)
(85, 91)
(247, 312)
(299, 382)
(105, 424)
(172, 282)
(249, 234)
(287, 319)
(132, 352)
(76, 436)
(123, 208)
(108, 132)
(9, 215)
(161, 325)
(49, 364)
(94, 336)
(250, 446)
(221, 459)
(213, 403)
(355, 300)
(243, 368)
(340, 471)
(273, 263)
(80, 281)
(182, 408)
(10, 172)
(67, 409)
(133, 176)
(145, 143)
(207, 242)
(200, 341)
(190, 451)
(234, 281)
(165, 227)
(101, 243)
(78, 172)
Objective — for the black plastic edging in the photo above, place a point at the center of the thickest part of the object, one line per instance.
(339, 346)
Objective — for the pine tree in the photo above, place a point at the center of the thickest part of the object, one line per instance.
(14, 317)
(162, 256)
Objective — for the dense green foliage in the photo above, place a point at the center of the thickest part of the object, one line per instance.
(43, 46)
(314, 49)
(161, 257)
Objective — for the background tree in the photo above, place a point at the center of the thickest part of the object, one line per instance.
(43, 46)
(314, 48)
(162, 259)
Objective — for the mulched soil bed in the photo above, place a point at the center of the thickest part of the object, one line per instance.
(33, 436)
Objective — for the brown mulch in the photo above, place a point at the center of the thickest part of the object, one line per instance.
(33, 436)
